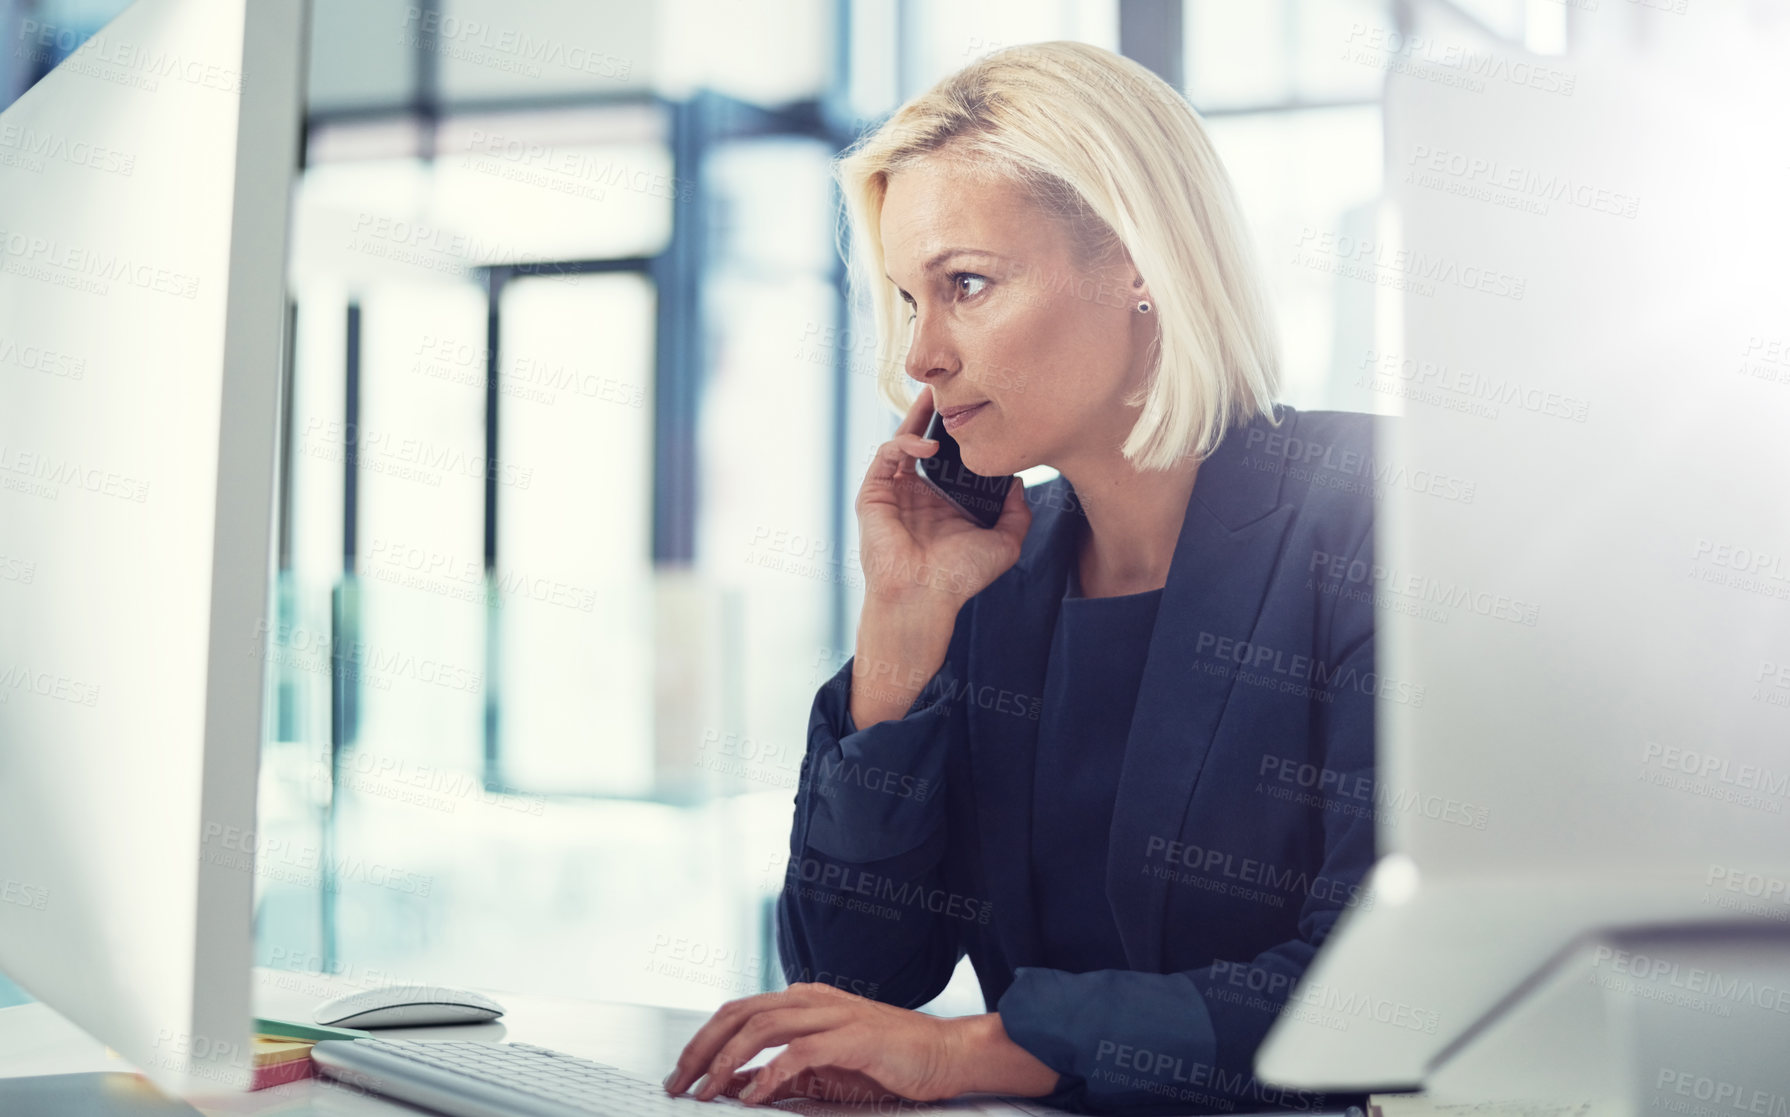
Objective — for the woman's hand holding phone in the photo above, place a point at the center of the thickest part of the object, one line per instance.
(916, 547)
(922, 559)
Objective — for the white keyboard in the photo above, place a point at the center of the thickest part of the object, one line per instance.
(471, 1079)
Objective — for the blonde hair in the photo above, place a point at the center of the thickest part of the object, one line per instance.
(1122, 160)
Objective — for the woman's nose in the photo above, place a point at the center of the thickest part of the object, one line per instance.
(925, 360)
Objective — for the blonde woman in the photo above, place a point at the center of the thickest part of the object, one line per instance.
(1117, 749)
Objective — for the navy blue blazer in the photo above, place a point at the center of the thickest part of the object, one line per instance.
(1243, 823)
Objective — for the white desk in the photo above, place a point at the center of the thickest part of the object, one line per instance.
(639, 1039)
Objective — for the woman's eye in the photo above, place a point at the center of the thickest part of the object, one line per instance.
(956, 278)
(959, 277)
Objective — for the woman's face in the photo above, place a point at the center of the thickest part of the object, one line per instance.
(1010, 322)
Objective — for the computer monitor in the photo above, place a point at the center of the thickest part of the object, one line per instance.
(1592, 623)
(143, 227)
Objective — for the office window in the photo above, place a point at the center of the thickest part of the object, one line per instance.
(1273, 52)
(1324, 313)
(421, 450)
(942, 35)
(574, 626)
(769, 53)
(766, 534)
(369, 62)
(295, 786)
(493, 50)
(526, 190)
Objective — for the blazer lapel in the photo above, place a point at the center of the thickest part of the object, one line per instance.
(1010, 640)
(1224, 557)
(1229, 547)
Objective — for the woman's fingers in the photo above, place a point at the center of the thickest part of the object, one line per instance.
(1016, 514)
(919, 413)
(770, 1027)
(913, 446)
(739, 1081)
(840, 1048)
(699, 1053)
(885, 464)
(893, 458)
(825, 1084)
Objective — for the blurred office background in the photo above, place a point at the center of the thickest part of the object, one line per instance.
(578, 411)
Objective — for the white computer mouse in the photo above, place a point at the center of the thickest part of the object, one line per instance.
(407, 1006)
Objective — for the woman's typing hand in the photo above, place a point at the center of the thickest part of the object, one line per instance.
(843, 1048)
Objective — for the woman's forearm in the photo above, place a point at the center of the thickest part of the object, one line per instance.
(900, 648)
(990, 1062)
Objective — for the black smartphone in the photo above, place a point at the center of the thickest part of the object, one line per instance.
(977, 497)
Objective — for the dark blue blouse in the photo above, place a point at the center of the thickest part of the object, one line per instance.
(1091, 684)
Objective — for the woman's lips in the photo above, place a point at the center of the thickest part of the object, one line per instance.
(958, 419)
